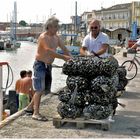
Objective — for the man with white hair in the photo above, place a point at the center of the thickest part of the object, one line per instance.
(48, 42)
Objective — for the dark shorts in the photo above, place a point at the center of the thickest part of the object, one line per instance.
(42, 78)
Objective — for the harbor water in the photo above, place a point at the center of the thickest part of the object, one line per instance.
(23, 59)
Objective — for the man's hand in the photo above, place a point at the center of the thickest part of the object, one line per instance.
(89, 53)
(67, 57)
(92, 54)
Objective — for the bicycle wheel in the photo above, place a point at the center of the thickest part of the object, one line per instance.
(131, 69)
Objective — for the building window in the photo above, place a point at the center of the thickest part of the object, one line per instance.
(89, 16)
(114, 16)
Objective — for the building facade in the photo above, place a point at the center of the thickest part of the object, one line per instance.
(116, 20)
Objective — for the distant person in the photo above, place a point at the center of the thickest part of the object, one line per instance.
(31, 94)
(48, 41)
(96, 42)
(71, 41)
(17, 86)
(29, 73)
(25, 91)
(136, 45)
(122, 43)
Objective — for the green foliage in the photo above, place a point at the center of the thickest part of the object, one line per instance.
(23, 23)
(77, 43)
(66, 42)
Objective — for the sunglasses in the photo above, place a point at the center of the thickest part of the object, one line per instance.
(94, 27)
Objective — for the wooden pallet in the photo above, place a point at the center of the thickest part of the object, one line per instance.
(81, 122)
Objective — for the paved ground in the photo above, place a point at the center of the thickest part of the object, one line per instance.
(126, 125)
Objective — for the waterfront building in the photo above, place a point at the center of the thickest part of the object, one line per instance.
(136, 13)
(119, 18)
(116, 20)
(28, 31)
(85, 19)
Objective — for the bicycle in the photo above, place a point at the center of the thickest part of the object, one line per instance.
(131, 66)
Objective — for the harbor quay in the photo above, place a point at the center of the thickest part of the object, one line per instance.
(23, 59)
(126, 120)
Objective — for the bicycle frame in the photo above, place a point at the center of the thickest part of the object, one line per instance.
(135, 58)
(131, 66)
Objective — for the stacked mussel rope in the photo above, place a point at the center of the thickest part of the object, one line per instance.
(91, 88)
(122, 78)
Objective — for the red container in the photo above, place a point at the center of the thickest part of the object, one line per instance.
(131, 43)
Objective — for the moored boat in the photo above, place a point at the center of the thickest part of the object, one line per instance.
(1, 44)
(16, 44)
(74, 50)
(8, 46)
(72, 43)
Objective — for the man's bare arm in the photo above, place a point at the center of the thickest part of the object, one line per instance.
(134, 46)
(103, 49)
(83, 51)
(62, 46)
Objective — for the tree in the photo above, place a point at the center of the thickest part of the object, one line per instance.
(23, 23)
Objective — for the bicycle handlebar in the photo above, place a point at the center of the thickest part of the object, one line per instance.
(131, 51)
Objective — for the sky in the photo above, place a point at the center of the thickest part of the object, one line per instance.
(36, 11)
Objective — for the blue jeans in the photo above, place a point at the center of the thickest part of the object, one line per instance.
(48, 79)
(42, 76)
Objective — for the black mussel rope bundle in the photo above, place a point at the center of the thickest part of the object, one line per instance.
(105, 99)
(64, 94)
(91, 97)
(109, 66)
(95, 111)
(77, 99)
(77, 66)
(71, 67)
(81, 82)
(122, 84)
(102, 85)
(102, 99)
(121, 72)
(66, 110)
(90, 66)
(93, 67)
(67, 96)
(114, 102)
(115, 79)
(91, 85)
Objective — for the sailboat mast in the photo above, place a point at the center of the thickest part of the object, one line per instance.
(15, 19)
(76, 17)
